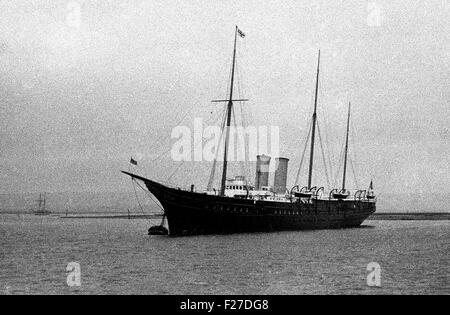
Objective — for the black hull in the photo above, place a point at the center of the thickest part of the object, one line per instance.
(190, 213)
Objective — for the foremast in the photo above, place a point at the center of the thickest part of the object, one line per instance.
(227, 127)
(228, 113)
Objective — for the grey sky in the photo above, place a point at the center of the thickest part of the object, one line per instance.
(76, 102)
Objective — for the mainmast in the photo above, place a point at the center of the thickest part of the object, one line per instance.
(314, 118)
(229, 109)
(346, 148)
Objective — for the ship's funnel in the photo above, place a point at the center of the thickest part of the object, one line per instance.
(280, 179)
(262, 171)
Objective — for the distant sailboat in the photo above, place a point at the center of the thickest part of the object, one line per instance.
(41, 203)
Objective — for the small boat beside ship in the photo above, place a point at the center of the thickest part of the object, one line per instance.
(237, 206)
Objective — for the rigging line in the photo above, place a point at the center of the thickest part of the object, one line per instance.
(354, 173)
(330, 163)
(182, 162)
(323, 156)
(340, 163)
(240, 87)
(247, 144)
(196, 163)
(322, 84)
(150, 196)
(211, 175)
(240, 81)
(353, 152)
(228, 84)
(241, 163)
(324, 144)
(216, 110)
(193, 169)
(161, 138)
(326, 119)
(244, 123)
(326, 167)
(304, 151)
(327, 143)
(229, 78)
(216, 117)
(243, 118)
(160, 155)
(213, 169)
(208, 187)
(165, 151)
(355, 166)
(137, 199)
(246, 160)
(246, 149)
(219, 121)
(240, 90)
(176, 169)
(189, 110)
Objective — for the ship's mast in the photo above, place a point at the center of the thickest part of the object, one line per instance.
(346, 149)
(314, 118)
(40, 202)
(229, 109)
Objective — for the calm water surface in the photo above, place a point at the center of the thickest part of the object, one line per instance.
(117, 257)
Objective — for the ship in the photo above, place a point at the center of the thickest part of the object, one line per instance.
(41, 203)
(239, 207)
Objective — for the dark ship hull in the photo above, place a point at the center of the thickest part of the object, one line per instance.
(190, 213)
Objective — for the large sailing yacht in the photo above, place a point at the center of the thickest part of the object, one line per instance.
(238, 206)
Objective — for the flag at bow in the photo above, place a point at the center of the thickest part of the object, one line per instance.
(133, 161)
(241, 33)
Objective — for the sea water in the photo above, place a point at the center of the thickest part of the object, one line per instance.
(116, 256)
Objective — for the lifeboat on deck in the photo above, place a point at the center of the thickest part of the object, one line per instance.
(342, 194)
(304, 192)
